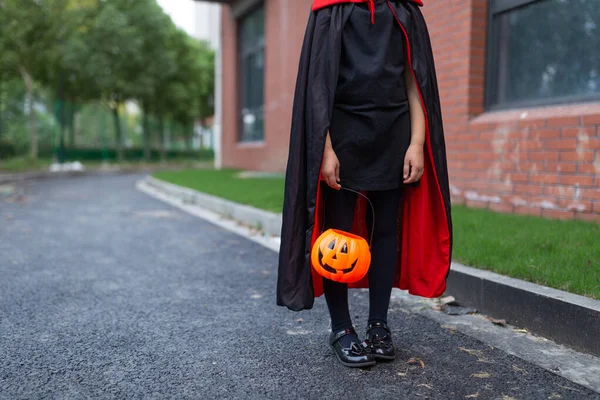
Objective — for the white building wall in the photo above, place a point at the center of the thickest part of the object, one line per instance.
(207, 18)
(208, 27)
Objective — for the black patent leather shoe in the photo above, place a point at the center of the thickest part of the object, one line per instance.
(354, 356)
(382, 348)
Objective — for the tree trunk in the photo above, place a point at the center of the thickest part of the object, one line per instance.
(61, 117)
(119, 135)
(146, 136)
(161, 135)
(76, 124)
(61, 135)
(71, 124)
(1, 103)
(33, 142)
(201, 136)
(189, 136)
(103, 135)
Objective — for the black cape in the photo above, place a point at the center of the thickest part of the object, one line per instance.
(424, 220)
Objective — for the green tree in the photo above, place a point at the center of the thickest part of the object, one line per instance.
(159, 47)
(73, 75)
(112, 51)
(73, 52)
(196, 86)
(31, 31)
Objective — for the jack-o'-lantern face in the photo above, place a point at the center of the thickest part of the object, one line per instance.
(341, 256)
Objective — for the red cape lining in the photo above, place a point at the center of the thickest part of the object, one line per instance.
(423, 234)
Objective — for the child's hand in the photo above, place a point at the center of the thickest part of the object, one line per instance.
(413, 164)
(331, 169)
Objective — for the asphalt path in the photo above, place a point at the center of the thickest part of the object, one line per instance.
(106, 292)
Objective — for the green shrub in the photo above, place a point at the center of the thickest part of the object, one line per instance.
(7, 149)
(130, 154)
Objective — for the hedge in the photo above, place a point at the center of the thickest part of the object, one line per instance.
(130, 154)
(7, 149)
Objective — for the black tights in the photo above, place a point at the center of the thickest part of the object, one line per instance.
(339, 210)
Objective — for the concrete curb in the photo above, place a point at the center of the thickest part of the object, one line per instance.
(107, 170)
(8, 178)
(268, 222)
(581, 368)
(566, 318)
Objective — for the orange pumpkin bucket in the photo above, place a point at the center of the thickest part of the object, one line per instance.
(342, 256)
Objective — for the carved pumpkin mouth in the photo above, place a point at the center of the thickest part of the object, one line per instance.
(333, 270)
(340, 256)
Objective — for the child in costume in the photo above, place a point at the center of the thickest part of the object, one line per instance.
(366, 117)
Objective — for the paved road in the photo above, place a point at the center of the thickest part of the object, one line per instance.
(108, 293)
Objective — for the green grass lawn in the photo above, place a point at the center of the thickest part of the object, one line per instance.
(265, 193)
(560, 254)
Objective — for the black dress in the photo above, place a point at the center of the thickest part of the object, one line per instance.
(370, 126)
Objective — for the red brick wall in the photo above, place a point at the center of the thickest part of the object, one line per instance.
(542, 161)
(285, 22)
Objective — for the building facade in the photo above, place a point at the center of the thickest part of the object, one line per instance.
(207, 22)
(519, 83)
(207, 27)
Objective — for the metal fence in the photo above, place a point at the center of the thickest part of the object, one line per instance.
(70, 130)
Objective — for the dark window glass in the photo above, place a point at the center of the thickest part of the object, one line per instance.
(252, 67)
(543, 52)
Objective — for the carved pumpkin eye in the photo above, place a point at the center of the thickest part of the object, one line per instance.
(340, 256)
